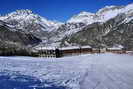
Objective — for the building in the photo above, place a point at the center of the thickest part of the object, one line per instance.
(116, 50)
(76, 50)
(65, 51)
(45, 51)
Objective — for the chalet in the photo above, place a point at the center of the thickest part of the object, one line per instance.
(95, 50)
(116, 50)
(75, 50)
(64, 51)
(129, 52)
(86, 49)
(98, 50)
(45, 51)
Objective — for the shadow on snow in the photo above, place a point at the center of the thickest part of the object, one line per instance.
(8, 81)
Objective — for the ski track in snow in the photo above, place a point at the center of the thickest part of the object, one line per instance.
(96, 71)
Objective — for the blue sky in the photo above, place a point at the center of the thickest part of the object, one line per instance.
(60, 10)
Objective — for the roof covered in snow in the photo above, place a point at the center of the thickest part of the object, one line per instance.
(63, 48)
(45, 48)
(74, 47)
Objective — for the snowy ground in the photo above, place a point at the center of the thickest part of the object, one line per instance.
(97, 71)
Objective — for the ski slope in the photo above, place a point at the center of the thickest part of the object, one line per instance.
(96, 71)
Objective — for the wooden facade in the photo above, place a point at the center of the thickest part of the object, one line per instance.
(116, 50)
(75, 50)
(47, 53)
(59, 52)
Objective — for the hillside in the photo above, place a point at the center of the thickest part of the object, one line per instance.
(109, 26)
(13, 40)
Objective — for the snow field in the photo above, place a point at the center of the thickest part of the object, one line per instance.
(96, 71)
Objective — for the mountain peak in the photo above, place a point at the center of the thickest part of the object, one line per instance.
(82, 17)
(108, 8)
(24, 11)
(20, 12)
(103, 15)
(25, 19)
(129, 7)
(86, 13)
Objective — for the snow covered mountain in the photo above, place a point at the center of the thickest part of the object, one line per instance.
(84, 17)
(14, 41)
(29, 22)
(95, 29)
(102, 15)
(112, 25)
